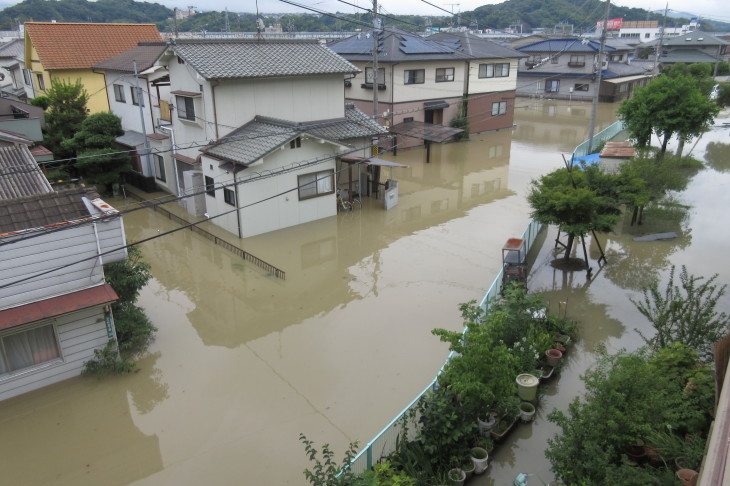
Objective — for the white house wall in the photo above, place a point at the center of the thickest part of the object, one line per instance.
(79, 333)
(74, 246)
(479, 85)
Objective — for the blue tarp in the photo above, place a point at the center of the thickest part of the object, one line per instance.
(590, 159)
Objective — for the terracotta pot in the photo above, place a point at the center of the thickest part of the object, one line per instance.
(553, 357)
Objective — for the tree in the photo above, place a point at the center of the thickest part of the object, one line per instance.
(668, 106)
(578, 201)
(684, 313)
(97, 159)
(66, 112)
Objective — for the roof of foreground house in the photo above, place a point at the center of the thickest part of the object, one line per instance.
(144, 54)
(20, 175)
(395, 45)
(44, 209)
(79, 46)
(247, 58)
(263, 135)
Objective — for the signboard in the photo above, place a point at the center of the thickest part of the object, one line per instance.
(613, 24)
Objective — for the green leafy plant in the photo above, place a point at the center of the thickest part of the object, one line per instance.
(107, 360)
(327, 471)
(445, 429)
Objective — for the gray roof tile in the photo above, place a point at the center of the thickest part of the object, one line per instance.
(476, 46)
(263, 135)
(45, 209)
(146, 53)
(220, 59)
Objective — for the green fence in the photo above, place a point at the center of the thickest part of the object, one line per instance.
(384, 443)
(603, 136)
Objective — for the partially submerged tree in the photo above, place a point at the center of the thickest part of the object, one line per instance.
(684, 312)
(578, 201)
(66, 111)
(668, 106)
(98, 161)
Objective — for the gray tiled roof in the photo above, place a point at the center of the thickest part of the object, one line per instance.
(693, 39)
(20, 175)
(557, 46)
(45, 209)
(146, 53)
(221, 59)
(263, 135)
(476, 46)
(687, 56)
(14, 49)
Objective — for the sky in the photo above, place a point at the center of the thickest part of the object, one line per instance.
(711, 9)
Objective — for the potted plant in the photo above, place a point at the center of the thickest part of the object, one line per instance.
(553, 356)
(468, 467)
(487, 423)
(527, 411)
(480, 458)
(457, 476)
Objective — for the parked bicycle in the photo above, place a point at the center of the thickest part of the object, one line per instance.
(356, 202)
(342, 205)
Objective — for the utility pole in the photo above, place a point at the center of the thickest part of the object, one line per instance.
(141, 118)
(376, 35)
(661, 40)
(597, 89)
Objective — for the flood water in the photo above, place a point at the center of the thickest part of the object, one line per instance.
(244, 362)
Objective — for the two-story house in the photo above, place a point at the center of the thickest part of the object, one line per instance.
(68, 51)
(54, 302)
(15, 80)
(271, 121)
(138, 92)
(693, 47)
(567, 68)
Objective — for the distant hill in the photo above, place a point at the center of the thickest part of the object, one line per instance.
(106, 11)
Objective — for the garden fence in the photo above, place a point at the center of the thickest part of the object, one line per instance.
(385, 442)
(603, 136)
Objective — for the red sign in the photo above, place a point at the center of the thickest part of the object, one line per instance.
(613, 24)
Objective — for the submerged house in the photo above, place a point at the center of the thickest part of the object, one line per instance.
(54, 302)
(260, 127)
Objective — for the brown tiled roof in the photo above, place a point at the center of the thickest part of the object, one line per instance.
(44, 210)
(79, 46)
(145, 54)
(20, 175)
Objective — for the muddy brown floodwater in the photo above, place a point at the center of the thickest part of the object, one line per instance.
(244, 362)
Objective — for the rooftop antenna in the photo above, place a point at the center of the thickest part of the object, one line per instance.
(259, 23)
(227, 26)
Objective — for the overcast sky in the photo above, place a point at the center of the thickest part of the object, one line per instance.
(713, 9)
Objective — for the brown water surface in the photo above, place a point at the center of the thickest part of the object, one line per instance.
(244, 362)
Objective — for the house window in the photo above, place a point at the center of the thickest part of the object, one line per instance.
(444, 74)
(499, 108)
(41, 83)
(552, 86)
(26, 77)
(647, 36)
(499, 70)
(209, 186)
(119, 93)
(28, 348)
(316, 184)
(136, 98)
(414, 76)
(296, 143)
(617, 57)
(159, 167)
(581, 87)
(555, 59)
(577, 61)
(229, 196)
(185, 107)
(369, 76)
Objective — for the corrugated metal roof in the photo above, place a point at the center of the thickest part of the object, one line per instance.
(20, 175)
(15, 49)
(81, 46)
(145, 54)
(44, 209)
(263, 135)
(243, 58)
(57, 306)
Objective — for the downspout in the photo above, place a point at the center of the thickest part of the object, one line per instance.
(213, 84)
(238, 209)
(174, 160)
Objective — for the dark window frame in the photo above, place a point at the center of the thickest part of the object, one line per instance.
(119, 93)
(229, 196)
(188, 110)
(414, 76)
(308, 185)
(209, 186)
(444, 76)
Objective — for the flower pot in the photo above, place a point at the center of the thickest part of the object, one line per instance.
(527, 411)
(527, 386)
(468, 469)
(457, 477)
(553, 357)
(688, 477)
(487, 424)
(502, 429)
(480, 458)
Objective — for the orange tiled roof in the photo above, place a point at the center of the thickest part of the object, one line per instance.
(79, 46)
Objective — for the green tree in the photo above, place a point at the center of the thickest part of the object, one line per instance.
(668, 106)
(97, 160)
(64, 116)
(684, 312)
(578, 201)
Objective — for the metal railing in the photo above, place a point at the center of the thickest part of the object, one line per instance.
(385, 442)
(604, 135)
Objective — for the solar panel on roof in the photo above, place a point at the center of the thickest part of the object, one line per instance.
(354, 46)
(417, 46)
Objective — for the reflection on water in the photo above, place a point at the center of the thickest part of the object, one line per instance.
(243, 362)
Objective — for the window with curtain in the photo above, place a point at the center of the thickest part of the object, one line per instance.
(316, 184)
(28, 348)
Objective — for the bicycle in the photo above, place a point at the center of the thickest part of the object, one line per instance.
(343, 205)
(356, 201)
